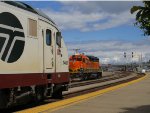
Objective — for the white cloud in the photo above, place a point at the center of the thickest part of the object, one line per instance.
(91, 16)
(114, 7)
(74, 20)
(113, 51)
(114, 21)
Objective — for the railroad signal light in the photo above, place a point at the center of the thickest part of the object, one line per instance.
(132, 55)
(124, 54)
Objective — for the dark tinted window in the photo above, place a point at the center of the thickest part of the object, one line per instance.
(48, 37)
(79, 58)
(58, 39)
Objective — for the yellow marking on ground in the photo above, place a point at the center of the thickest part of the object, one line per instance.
(64, 103)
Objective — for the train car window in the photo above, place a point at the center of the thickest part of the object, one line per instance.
(58, 39)
(74, 60)
(73, 56)
(79, 59)
(48, 37)
(32, 27)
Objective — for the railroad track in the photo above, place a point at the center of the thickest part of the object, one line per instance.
(103, 79)
(83, 88)
(75, 91)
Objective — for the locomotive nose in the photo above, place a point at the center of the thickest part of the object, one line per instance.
(74, 66)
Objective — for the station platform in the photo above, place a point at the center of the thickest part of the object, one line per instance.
(133, 98)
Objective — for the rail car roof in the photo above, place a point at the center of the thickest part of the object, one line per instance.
(28, 8)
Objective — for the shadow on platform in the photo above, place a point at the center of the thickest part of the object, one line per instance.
(140, 109)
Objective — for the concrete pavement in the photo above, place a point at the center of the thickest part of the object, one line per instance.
(134, 98)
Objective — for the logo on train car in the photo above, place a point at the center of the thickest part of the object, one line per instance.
(12, 38)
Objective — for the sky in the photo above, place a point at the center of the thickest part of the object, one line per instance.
(101, 28)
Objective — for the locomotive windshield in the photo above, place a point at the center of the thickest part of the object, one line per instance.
(76, 58)
(79, 59)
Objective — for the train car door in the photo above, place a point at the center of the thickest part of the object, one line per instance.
(58, 52)
(48, 50)
(47, 44)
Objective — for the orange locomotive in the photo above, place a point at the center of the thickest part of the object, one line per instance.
(84, 66)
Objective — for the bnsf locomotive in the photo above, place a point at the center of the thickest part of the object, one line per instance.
(84, 67)
(33, 55)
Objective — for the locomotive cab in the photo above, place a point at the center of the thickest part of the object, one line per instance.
(77, 63)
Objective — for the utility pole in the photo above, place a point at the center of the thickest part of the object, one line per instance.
(139, 56)
(141, 61)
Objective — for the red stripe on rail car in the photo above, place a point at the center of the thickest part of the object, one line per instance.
(15, 80)
(61, 77)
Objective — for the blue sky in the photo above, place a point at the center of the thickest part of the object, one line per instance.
(105, 23)
(124, 32)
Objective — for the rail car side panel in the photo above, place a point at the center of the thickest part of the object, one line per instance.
(27, 61)
(33, 65)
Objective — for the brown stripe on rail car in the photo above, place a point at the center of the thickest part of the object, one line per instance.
(28, 79)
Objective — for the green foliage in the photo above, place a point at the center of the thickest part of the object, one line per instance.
(142, 16)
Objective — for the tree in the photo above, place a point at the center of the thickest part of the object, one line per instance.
(142, 17)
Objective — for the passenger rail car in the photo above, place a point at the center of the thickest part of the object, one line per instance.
(34, 58)
(84, 67)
